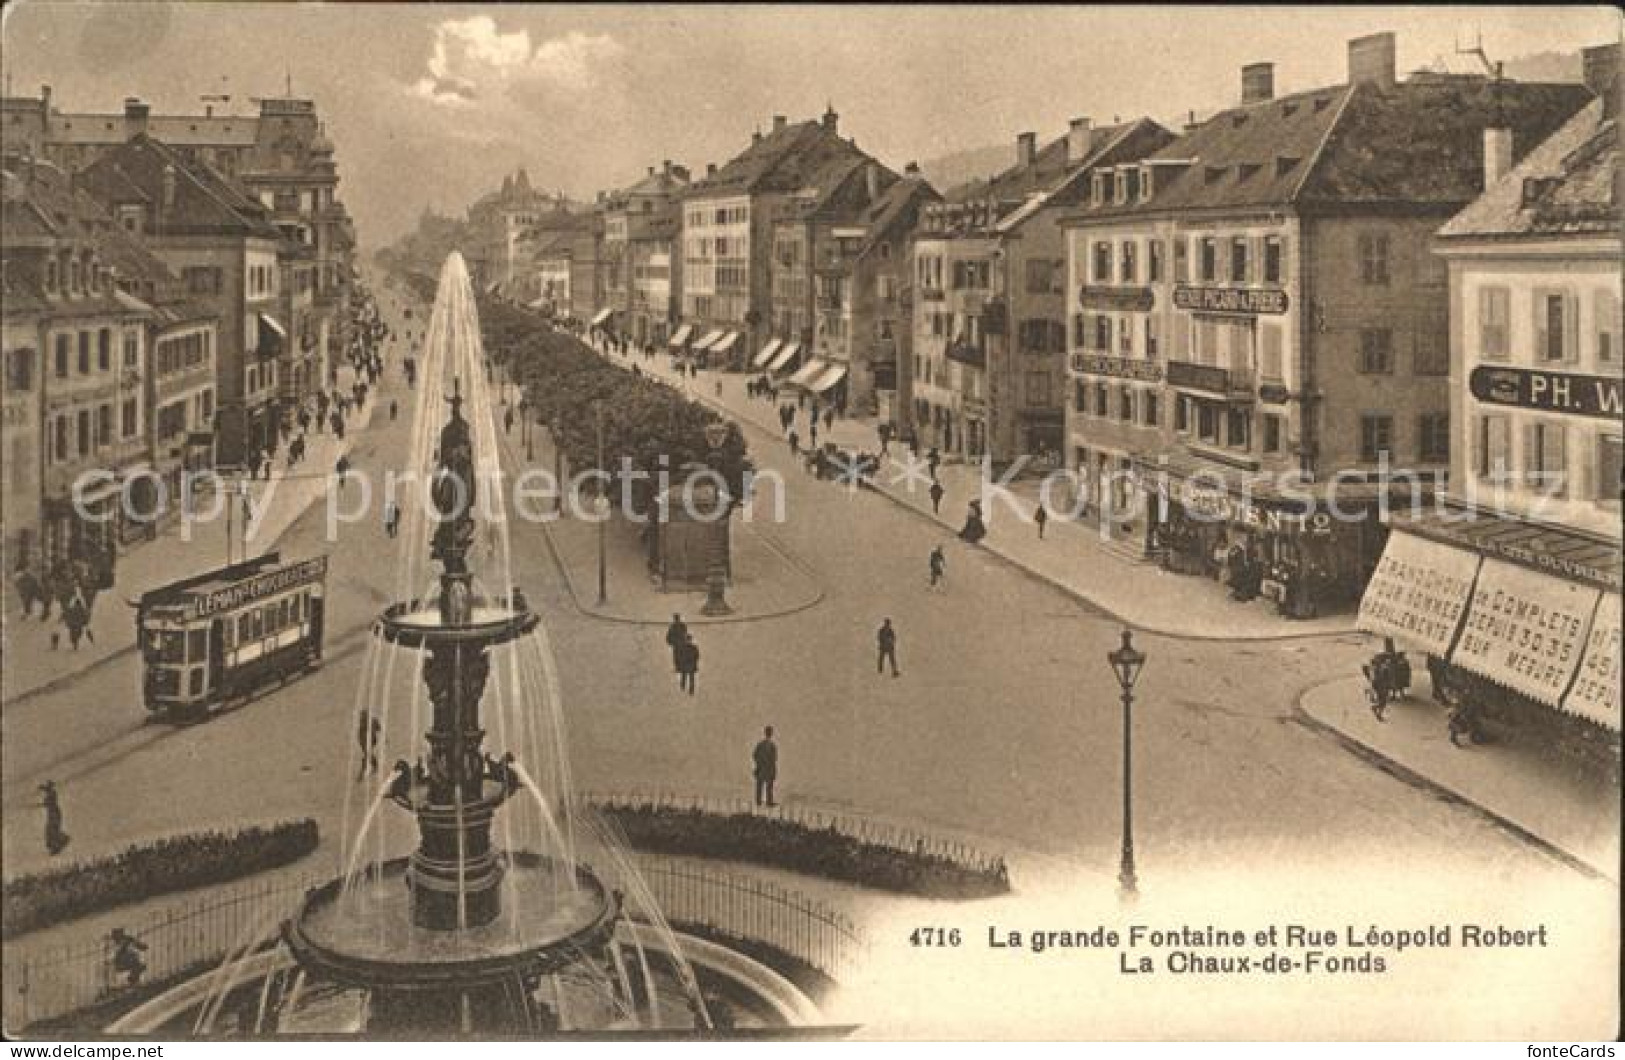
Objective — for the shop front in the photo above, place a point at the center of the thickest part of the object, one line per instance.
(1525, 617)
(1285, 546)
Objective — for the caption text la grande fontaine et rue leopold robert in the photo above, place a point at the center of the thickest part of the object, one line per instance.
(1274, 949)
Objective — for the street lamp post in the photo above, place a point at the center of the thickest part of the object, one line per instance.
(1126, 663)
(716, 575)
(601, 505)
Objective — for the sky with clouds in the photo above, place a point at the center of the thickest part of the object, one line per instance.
(430, 104)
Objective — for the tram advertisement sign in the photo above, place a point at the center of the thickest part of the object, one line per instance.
(275, 581)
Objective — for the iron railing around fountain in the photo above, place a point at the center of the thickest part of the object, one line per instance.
(49, 981)
(45, 981)
(880, 832)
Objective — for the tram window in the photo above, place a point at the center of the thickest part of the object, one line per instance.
(285, 613)
(168, 647)
(228, 635)
(194, 682)
(197, 644)
(245, 628)
(294, 608)
(255, 623)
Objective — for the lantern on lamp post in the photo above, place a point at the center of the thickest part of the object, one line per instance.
(1127, 662)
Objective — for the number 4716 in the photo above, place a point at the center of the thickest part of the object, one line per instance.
(934, 936)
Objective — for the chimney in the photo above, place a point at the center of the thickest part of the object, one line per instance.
(1497, 155)
(1026, 148)
(911, 170)
(1602, 76)
(1077, 141)
(1257, 83)
(45, 97)
(135, 117)
(778, 123)
(710, 170)
(871, 180)
(756, 137)
(169, 187)
(832, 120)
(651, 171)
(1371, 60)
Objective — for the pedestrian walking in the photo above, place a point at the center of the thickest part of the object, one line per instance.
(76, 618)
(933, 460)
(795, 442)
(884, 431)
(936, 496)
(342, 469)
(974, 529)
(127, 951)
(392, 515)
(829, 419)
(29, 590)
(56, 840)
(676, 633)
(507, 419)
(1041, 517)
(939, 567)
(687, 659)
(886, 641)
(765, 767)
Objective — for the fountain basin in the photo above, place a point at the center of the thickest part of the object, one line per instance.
(365, 936)
(418, 622)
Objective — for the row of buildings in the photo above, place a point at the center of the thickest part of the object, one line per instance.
(175, 287)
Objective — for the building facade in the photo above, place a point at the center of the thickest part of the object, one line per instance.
(1521, 594)
(1294, 340)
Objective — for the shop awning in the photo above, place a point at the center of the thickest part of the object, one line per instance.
(726, 343)
(1526, 630)
(765, 354)
(1595, 694)
(270, 322)
(710, 337)
(94, 494)
(603, 315)
(786, 355)
(538, 303)
(1419, 593)
(808, 372)
(828, 378)
(681, 336)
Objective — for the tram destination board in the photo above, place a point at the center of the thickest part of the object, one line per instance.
(233, 596)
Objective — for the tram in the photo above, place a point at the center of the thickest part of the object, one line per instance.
(219, 637)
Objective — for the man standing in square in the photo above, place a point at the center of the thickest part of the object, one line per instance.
(766, 760)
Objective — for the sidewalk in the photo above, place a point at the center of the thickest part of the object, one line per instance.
(766, 582)
(1109, 574)
(1510, 783)
(30, 664)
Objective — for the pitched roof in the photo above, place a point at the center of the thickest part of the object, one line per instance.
(788, 159)
(184, 130)
(1577, 168)
(205, 201)
(1048, 170)
(894, 207)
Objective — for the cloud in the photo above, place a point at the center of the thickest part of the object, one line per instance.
(473, 60)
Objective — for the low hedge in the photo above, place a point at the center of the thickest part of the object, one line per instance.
(781, 844)
(146, 870)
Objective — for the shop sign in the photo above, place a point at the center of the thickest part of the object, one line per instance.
(1119, 299)
(1121, 367)
(1565, 392)
(1595, 694)
(1218, 506)
(1273, 393)
(1244, 300)
(1526, 630)
(1418, 592)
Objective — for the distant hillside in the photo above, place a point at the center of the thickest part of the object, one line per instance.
(956, 168)
(1545, 66)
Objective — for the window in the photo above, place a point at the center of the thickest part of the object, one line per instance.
(1374, 259)
(1080, 398)
(1272, 433)
(1182, 414)
(1605, 308)
(1492, 438)
(1269, 351)
(50, 276)
(84, 432)
(1098, 188)
(1376, 351)
(1152, 412)
(1103, 333)
(19, 371)
(1125, 339)
(1080, 330)
(1493, 308)
(1103, 263)
(1207, 422)
(127, 419)
(61, 438)
(1545, 456)
(62, 356)
(1274, 259)
(84, 353)
(1125, 405)
(1431, 355)
(1238, 259)
(1101, 400)
(1041, 276)
(1182, 260)
(1151, 338)
(202, 279)
(104, 349)
(1376, 436)
(1433, 437)
(1610, 468)
(1038, 388)
(1555, 316)
(1238, 429)
(104, 425)
(1210, 259)
(1129, 266)
(1153, 261)
(132, 350)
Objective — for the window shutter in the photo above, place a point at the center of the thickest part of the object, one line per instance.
(1286, 258)
(1571, 328)
(1610, 451)
(1538, 313)
(1554, 455)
